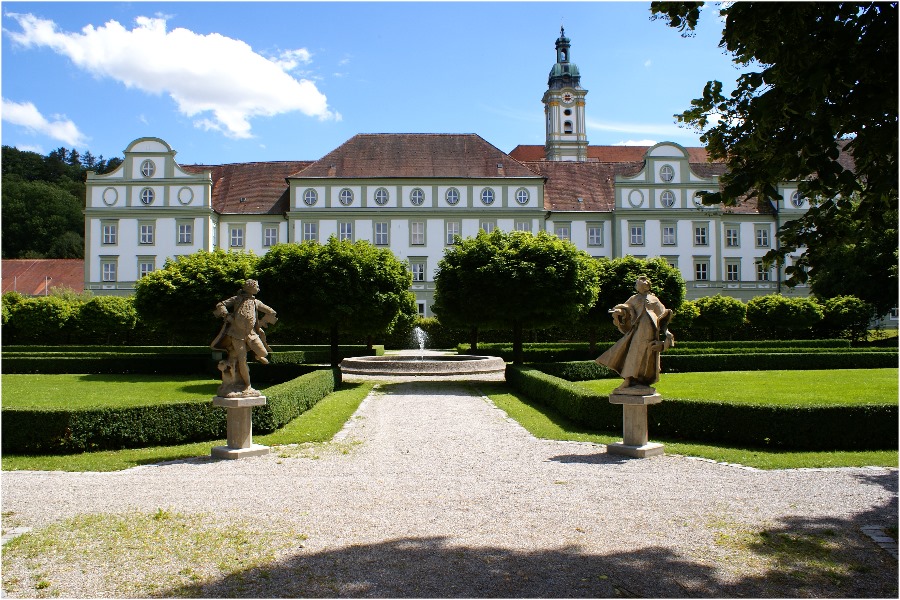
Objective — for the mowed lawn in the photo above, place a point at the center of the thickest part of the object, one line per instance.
(788, 388)
(46, 392)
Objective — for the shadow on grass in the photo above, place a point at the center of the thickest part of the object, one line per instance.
(789, 560)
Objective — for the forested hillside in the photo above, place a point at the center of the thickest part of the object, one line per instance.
(43, 199)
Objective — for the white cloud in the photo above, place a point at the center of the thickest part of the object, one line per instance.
(636, 143)
(647, 63)
(219, 80)
(58, 127)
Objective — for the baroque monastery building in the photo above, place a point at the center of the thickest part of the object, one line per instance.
(414, 193)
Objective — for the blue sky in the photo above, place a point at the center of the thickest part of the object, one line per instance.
(230, 82)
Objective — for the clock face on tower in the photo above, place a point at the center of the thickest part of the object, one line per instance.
(567, 97)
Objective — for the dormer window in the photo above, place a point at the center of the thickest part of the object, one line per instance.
(667, 173)
(148, 168)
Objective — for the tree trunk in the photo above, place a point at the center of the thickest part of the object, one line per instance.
(369, 343)
(517, 342)
(335, 359)
(592, 338)
(473, 340)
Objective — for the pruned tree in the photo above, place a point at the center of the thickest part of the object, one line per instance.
(338, 287)
(513, 280)
(180, 297)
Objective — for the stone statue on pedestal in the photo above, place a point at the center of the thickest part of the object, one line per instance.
(241, 331)
(644, 323)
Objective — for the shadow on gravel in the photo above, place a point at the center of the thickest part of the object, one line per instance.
(795, 558)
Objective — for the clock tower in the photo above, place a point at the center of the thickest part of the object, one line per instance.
(564, 107)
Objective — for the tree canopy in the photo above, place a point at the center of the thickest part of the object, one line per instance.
(339, 286)
(513, 280)
(42, 202)
(817, 103)
(180, 297)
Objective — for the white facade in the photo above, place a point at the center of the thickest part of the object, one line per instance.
(151, 208)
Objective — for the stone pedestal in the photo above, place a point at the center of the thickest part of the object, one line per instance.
(239, 419)
(635, 436)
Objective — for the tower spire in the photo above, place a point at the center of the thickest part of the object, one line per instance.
(564, 106)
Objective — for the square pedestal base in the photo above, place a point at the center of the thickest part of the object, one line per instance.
(234, 453)
(645, 451)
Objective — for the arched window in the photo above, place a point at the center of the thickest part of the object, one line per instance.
(567, 127)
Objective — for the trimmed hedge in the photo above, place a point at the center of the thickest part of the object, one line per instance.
(860, 427)
(288, 400)
(64, 431)
(582, 370)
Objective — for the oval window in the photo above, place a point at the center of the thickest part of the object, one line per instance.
(310, 197)
(487, 196)
(147, 196)
(346, 197)
(452, 196)
(381, 196)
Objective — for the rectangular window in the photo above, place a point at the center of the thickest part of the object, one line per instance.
(237, 237)
(637, 235)
(668, 235)
(146, 233)
(417, 233)
(762, 237)
(310, 232)
(185, 233)
(732, 239)
(145, 267)
(563, 231)
(732, 272)
(109, 271)
(110, 233)
(345, 231)
(762, 273)
(523, 226)
(381, 234)
(895, 314)
(701, 271)
(270, 236)
(421, 308)
(453, 231)
(700, 237)
(417, 268)
(595, 235)
(488, 226)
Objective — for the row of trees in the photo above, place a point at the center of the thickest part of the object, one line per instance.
(511, 281)
(43, 199)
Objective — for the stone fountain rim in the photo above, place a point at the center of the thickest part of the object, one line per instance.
(426, 364)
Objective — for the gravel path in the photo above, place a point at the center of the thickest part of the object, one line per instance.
(431, 491)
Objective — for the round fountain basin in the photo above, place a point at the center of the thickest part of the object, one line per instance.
(458, 364)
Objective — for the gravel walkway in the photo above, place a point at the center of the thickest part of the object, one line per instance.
(432, 491)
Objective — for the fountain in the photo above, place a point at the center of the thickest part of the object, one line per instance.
(440, 365)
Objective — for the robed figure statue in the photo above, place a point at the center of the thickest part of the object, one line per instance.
(643, 321)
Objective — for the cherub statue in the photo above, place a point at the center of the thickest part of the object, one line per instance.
(643, 321)
(242, 330)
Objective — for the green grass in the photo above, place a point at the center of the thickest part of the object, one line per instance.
(545, 423)
(103, 391)
(789, 388)
(319, 424)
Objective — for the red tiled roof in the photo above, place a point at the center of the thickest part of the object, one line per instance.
(416, 155)
(592, 182)
(611, 154)
(262, 185)
(34, 277)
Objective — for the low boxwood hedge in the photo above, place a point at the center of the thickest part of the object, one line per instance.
(693, 363)
(859, 427)
(30, 431)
